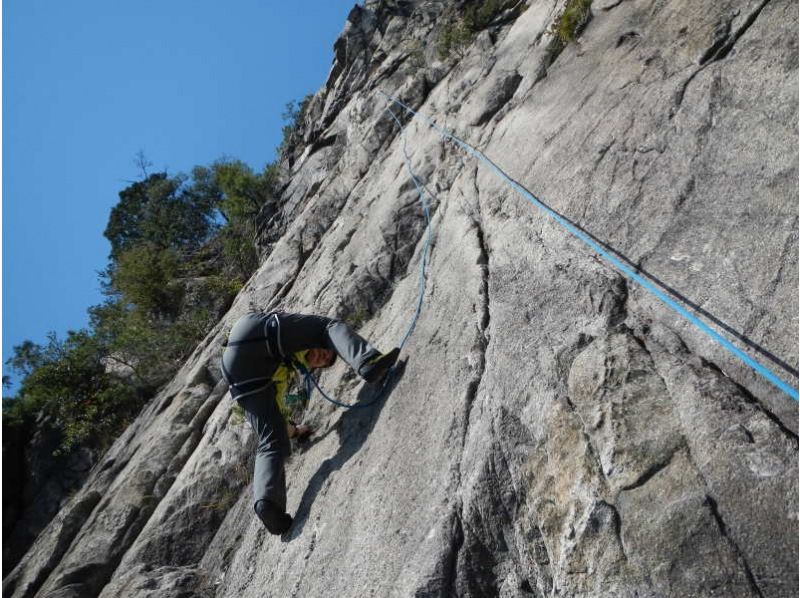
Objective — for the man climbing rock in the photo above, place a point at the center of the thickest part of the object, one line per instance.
(259, 356)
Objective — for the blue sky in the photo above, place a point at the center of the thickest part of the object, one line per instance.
(88, 84)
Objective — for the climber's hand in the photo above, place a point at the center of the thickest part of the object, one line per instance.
(301, 432)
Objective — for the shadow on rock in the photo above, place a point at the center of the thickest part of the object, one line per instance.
(353, 428)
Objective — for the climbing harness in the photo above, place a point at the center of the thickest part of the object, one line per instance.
(616, 263)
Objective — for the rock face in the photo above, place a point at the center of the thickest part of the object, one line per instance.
(37, 484)
(555, 430)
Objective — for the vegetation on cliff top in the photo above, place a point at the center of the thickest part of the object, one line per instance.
(458, 33)
(571, 20)
(181, 248)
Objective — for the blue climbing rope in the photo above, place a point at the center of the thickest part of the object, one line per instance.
(423, 263)
(309, 380)
(669, 302)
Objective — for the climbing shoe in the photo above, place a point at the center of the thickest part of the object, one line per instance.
(274, 519)
(375, 369)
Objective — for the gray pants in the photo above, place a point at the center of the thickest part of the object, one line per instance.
(251, 361)
(269, 478)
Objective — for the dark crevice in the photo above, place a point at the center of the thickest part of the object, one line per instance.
(390, 70)
(484, 265)
(723, 33)
(313, 189)
(71, 524)
(751, 399)
(618, 311)
(566, 356)
(723, 46)
(630, 36)
(507, 92)
(611, 6)
(712, 506)
(107, 465)
(654, 469)
(450, 562)
(616, 523)
(481, 342)
(165, 403)
(318, 145)
(450, 574)
(677, 99)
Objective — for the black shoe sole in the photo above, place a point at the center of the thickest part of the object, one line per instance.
(275, 520)
(375, 371)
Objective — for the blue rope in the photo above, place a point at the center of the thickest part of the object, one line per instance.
(713, 334)
(309, 381)
(308, 378)
(424, 261)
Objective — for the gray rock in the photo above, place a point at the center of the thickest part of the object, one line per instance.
(555, 430)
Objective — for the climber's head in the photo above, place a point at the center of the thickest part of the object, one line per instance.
(320, 358)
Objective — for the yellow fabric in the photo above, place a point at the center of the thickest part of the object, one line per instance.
(281, 380)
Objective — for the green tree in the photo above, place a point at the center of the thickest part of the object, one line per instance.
(243, 192)
(144, 275)
(149, 347)
(161, 211)
(292, 116)
(71, 385)
(173, 265)
(28, 356)
(245, 195)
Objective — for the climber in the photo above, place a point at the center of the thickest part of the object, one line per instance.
(259, 355)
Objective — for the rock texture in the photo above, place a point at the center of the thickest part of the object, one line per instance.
(554, 430)
(37, 484)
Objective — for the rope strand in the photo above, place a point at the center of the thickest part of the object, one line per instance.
(647, 285)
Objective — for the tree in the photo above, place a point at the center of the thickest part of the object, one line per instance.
(144, 275)
(70, 385)
(244, 192)
(148, 346)
(161, 211)
(29, 355)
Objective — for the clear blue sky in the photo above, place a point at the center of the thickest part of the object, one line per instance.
(88, 84)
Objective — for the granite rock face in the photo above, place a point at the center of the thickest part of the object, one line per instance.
(554, 429)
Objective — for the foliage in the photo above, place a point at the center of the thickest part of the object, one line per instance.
(453, 38)
(181, 248)
(416, 53)
(144, 276)
(292, 117)
(162, 211)
(28, 356)
(481, 15)
(237, 414)
(244, 195)
(150, 348)
(214, 287)
(70, 385)
(456, 36)
(243, 191)
(240, 252)
(567, 24)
